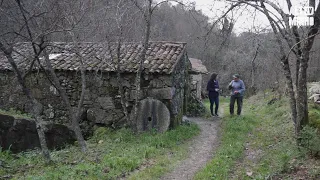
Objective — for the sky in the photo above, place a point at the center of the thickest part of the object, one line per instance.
(246, 19)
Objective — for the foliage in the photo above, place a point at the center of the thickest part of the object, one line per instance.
(310, 139)
(111, 155)
(270, 150)
(195, 108)
(314, 115)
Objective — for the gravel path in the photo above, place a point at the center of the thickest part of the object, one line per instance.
(200, 152)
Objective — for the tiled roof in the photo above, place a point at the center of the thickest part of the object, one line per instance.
(197, 66)
(161, 56)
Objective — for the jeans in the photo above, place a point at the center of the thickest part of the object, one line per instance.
(239, 104)
(214, 100)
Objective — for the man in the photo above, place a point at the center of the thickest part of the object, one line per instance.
(238, 88)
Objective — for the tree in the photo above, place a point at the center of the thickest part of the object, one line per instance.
(7, 47)
(296, 43)
(119, 28)
(36, 25)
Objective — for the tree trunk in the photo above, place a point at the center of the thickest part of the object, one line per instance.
(36, 106)
(289, 83)
(285, 65)
(73, 117)
(302, 96)
(253, 71)
(147, 16)
(120, 87)
(37, 109)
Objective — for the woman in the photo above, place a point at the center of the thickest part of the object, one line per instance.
(237, 91)
(213, 90)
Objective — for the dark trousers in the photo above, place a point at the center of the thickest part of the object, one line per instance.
(214, 100)
(239, 104)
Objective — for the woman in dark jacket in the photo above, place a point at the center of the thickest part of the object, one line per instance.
(213, 90)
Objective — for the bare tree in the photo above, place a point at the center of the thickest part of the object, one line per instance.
(7, 42)
(254, 70)
(74, 113)
(36, 106)
(122, 20)
(297, 44)
(37, 25)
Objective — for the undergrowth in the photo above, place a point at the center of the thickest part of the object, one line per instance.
(261, 143)
(111, 155)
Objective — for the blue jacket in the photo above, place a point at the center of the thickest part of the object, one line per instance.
(213, 88)
(237, 86)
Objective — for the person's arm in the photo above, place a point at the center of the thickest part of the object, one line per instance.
(230, 85)
(242, 87)
(216, 85)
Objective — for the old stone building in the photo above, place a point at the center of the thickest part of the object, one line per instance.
(164, 78)
(197, 69)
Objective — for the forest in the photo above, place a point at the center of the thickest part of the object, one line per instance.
(280, 62)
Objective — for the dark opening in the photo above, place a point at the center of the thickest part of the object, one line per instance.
(149, 119)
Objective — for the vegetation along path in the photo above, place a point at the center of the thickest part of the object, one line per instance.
(200, 150)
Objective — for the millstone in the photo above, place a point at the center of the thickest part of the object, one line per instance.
(152, 114)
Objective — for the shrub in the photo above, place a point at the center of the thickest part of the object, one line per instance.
(195, 108)
(309, 139)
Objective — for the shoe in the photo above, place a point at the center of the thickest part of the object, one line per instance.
(217, 115)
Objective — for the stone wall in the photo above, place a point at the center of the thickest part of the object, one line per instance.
(196, 84)
(181, 82)
(102, 102)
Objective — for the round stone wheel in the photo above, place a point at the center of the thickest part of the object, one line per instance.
(152, 114)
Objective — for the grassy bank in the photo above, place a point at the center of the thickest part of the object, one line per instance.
(111, 155)
(261, 144)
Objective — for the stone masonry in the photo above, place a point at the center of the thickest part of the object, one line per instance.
(102, 102)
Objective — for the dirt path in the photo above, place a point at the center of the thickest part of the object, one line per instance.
(200, 151)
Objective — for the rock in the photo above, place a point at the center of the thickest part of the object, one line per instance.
(314, 91)
(315, 88)
(152, 114)
(21, 134)
(58, 136)
(106, 102)
(316, 98)
(162, 93)
(99, 116)
(6, 122)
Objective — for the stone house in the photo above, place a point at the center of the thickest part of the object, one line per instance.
(164, 77)
(197, 69)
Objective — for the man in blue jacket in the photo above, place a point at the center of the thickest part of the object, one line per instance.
(238, 88)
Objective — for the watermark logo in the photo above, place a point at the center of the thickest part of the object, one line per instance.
(302, 16)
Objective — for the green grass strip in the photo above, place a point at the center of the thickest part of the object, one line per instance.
(235, 130)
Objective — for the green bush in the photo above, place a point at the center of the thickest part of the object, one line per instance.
(309, 139)
(314, 117)
(195, 108)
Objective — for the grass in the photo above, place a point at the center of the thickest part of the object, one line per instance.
(15, 113)
(111, 155)
(272, 143)
(234, 135)
(261, 144)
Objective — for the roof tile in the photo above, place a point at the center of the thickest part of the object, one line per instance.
(160, 57)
